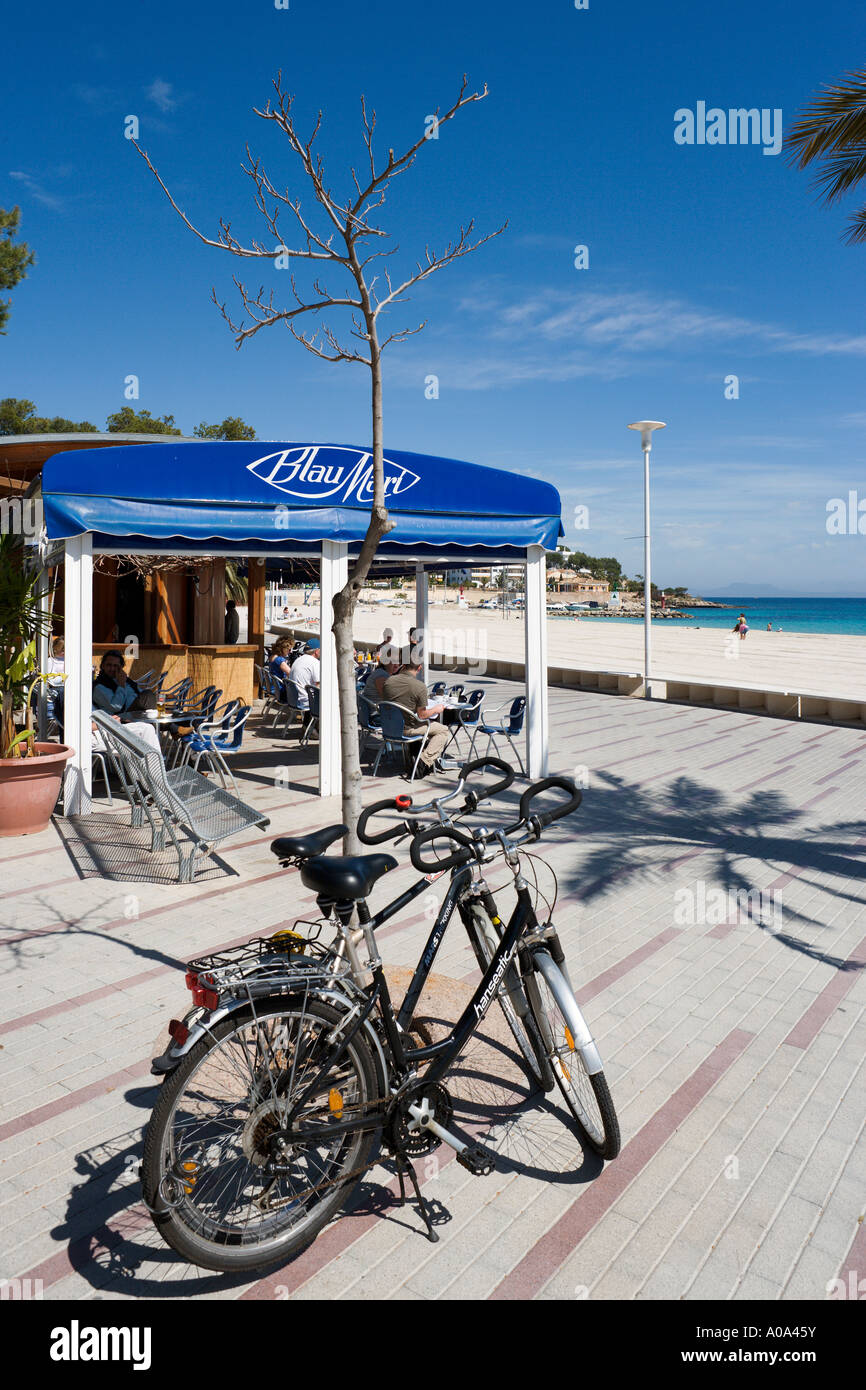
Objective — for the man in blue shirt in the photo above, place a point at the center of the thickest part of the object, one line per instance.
(113, 690)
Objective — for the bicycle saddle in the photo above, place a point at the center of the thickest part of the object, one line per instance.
(345, 878)
(305, 846)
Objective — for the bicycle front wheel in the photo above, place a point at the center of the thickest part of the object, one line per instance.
(565, 1033)
(511, 997)
(203, 1170)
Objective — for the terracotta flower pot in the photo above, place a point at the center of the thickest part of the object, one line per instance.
(29, 788)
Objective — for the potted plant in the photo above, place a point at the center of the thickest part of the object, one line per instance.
(30, 772)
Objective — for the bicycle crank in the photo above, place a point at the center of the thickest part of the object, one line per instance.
(423, 1118)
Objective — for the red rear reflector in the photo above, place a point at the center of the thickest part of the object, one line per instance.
(201, 997)
(178, 1031)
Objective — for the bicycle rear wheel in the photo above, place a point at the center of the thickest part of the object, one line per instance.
(207, 1142)
(566, 1039)
(511, 997)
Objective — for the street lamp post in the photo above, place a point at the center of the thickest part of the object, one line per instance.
(646, 428)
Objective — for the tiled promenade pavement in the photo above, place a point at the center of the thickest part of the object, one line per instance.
(734, 1047)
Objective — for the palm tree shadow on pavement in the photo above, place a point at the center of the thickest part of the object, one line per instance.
(633, 833)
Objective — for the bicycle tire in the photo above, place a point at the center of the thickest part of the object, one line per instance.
(561, 1024)
(253, 1055)
(511, 998)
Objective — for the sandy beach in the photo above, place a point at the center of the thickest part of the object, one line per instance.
(822, 664)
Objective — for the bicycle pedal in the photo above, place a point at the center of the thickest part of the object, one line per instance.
(478, 1160)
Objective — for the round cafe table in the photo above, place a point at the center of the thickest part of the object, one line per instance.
(450, 717)
(161, 722)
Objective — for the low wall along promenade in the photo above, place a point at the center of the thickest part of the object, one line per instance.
(787, 675)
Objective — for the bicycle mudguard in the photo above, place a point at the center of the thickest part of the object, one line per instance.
(202, 1024)
(558, 986)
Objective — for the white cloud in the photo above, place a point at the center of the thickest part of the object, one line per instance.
(161, 94)
(597, 334)
(37, 192)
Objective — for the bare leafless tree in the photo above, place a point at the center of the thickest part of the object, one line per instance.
(350, 244)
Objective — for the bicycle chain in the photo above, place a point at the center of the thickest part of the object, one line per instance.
(343, 1177)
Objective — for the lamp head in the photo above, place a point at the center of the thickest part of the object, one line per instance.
(646, 428)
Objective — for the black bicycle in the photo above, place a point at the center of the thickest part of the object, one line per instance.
(293, 1063)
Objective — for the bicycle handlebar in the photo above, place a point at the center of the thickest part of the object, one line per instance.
(393, 832)
(564, 808)
(402, 804)
(475, 846)
(473, 797)
(451, 861)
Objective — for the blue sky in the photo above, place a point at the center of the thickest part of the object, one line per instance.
(705, 261)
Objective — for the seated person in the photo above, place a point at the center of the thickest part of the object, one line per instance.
(53, 687)
(279, 666)
(305, 670)
(141, 728)
(113, 690)
(388, 665)
(407, 690)
(57, 661)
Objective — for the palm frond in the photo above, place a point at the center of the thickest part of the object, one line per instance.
(841, 172)
(835, 121)
(236, 584)
(855, 233)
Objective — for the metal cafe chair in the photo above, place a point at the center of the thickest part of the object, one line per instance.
(214, 740)
(468, 717)
(369, 727)
(508, 728)
(198, 711)
(186, 743)
(174, 694)
(312, 714)
(274, 695)
(392, 720)
(291, 702)
(98, 755)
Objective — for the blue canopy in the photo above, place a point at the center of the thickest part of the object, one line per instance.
(290, 497)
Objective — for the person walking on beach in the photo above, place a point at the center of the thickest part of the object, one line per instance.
(743, 626)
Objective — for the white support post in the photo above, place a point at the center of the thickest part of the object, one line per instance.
(422, 618)
(536, 662)
(334, 574)
(78, 687)
(43, 648)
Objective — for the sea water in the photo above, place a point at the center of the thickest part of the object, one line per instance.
(840, 616)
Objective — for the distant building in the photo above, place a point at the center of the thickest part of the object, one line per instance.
(580, 586)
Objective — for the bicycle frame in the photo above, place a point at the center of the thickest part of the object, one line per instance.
(441, 1054)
